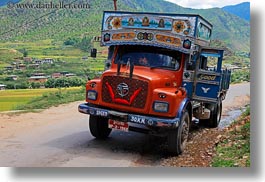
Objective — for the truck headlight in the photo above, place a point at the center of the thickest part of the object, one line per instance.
(160, 106)
(92, 95)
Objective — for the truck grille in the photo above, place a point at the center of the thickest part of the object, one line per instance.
(125, 91)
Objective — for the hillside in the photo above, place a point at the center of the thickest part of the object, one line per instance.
(60, 24)
(242, 10)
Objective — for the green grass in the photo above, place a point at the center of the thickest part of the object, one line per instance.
(9, 99)
(45, 48)
(61, 96)
(234, 151)
(23, 98)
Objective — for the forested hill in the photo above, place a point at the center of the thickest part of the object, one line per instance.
(242, 10)
(60, 24)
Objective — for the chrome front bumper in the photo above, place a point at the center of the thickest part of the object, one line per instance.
(127, 117)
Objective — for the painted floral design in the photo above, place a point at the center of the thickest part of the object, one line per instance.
(179, 26)
(109, 21)
(116, 23)
(187, 31)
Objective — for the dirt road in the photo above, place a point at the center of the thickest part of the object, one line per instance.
(58, 137)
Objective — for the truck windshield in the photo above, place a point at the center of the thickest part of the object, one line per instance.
(153, 57)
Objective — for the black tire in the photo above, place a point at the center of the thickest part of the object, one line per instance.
(178, 138)
(99, 127)
(215, 116)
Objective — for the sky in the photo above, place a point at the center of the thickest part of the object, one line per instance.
(203, 4)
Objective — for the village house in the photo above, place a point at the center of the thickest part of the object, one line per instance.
(12, 77)
(47, 61)
(2, 87)
(62, 74)
(38, 74)
(33, 65)
(18, 62)
(21, 66)
(69, 75)
(39, 79)
(38, 61)
(44, 61)
(27, 59)
(57, 75)
(9, 68)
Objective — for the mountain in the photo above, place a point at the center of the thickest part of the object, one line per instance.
(60, 24)
(242, 10)
(4, 2)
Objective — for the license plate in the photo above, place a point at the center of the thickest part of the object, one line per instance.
(117, 125)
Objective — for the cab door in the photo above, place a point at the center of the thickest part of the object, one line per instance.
(208, 75)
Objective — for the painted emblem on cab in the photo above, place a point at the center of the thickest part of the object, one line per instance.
(205, 90)
(123, 89)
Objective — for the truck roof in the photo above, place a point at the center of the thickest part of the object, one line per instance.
(173, 31)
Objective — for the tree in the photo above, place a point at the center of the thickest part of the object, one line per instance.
(25, 52)
(35, 85)
(65, 82)
(50, 83)
(83, 44)
(71, 41)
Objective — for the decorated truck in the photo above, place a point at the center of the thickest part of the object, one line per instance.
(161, 76)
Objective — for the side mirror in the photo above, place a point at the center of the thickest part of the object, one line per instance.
(93, 53)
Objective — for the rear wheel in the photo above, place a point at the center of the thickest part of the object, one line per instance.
(98, 127)
(178, 138)
(215, 116)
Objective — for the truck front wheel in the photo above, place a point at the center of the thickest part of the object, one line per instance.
(99, 127)
(178, 138)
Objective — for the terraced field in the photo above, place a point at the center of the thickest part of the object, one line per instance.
(11, 99)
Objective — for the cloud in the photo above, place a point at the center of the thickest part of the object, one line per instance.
(197, 4)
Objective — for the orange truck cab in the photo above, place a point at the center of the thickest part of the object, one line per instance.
(161, 75)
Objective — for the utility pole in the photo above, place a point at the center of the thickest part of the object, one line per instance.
(115, 5)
